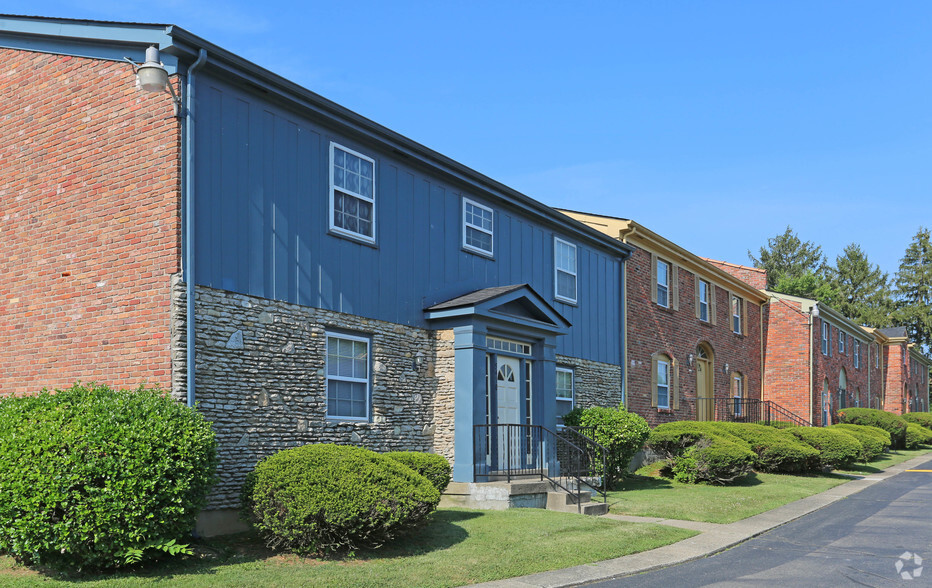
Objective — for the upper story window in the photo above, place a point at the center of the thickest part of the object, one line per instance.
(737, 318)
(564, 261)
(826, 330)
(347, 377)
(477, 227)
(876, 356)
(704, 300)
(842, 336)
(663, 283)
(565, 393)
(352, 193)
(857, 353)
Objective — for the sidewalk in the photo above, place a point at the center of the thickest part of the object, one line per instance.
(711, 539)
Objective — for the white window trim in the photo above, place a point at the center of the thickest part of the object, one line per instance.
(857, 354)
(557, 270)
(328, 377)
(708, 307)
(572, 398)
(826, 338)
(736, 314)
(842, 343)
(666, 285)
(737, 384)
(666, 364)
(341, 230)
(468, 225)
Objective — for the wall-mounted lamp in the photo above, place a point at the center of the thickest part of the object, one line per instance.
(815, 310)
(152, 76)
(689, 359)
(725, 368)
(418, 361)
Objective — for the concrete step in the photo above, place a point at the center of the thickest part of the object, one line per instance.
(560, 497)
(563, 502)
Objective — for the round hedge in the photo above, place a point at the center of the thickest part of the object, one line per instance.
(90, 475)
(917, 435)
(923, 419)
(777, 450)
(715, 459)
(873, 441)
(873, 417)
(434, 467)
(837, 449)
(329, 499)
(622, 433)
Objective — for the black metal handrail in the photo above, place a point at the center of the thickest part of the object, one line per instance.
(512, 451)
(595, 464)
(748, 410)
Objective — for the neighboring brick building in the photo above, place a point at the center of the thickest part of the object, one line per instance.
(816, 360)
(905, 372)
(693, 340)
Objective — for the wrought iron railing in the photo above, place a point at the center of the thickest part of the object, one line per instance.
(568, 459)
(745, 410)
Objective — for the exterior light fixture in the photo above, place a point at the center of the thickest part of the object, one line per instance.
(725, 368)
(815, 310)
(689, 360)
(152, 76)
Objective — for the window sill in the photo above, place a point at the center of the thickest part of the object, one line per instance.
(351, 237)
(665, 410)
(478, 252)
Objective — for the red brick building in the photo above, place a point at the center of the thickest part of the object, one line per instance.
(91, 224)
(905, 372)
(693, 331)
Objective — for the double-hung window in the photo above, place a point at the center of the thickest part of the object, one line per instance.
(663, 383)
(565, 397)
(663, 283)
(477, 227)
(876, 356)
(703, 300)
(841, 341)
(857, 353)
(564, 254)
(352, 193)
(826, 329)
(736, 318)
(347, 377)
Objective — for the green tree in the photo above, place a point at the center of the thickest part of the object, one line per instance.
(914, 289)
(787, 255)
(863, 291)
(809, 285)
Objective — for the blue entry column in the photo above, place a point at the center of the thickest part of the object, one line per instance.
(469, 397)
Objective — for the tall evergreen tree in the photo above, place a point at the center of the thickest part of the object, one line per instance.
(787, 256)
(863, 290)
(914, 289)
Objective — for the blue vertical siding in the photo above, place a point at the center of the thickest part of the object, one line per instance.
(262, 224)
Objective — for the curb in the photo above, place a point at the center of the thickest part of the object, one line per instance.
(712, 538)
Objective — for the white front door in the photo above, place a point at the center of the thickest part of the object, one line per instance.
(509, 407)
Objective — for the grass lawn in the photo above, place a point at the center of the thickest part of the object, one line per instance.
(457, 547)
(647, 494)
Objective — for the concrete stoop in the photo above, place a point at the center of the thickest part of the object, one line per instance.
(519, 494)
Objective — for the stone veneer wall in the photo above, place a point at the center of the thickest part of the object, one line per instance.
(595, 383)
(261, 381)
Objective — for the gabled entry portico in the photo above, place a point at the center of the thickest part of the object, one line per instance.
(504, 362)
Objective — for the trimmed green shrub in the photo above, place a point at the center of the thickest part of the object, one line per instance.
(622, 433)
(716, 460)
(777, 424)
(672, 439)
(873, 441)
(329, 499)
(872, 417)
(917, 435)
(777, 450)
(837, 449)
(434, 467)
(923, 419)
(97, 478)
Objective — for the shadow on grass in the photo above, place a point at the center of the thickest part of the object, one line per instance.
(440, 532)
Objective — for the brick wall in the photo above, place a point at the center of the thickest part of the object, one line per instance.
(677, 333)
(89, 201)
(787, 348)
(827, 369)
(756, 278)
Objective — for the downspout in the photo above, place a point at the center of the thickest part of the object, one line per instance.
(189, 220)
(761, 337)
(623, 237)
(811, 403)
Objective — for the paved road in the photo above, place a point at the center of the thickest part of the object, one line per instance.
(856, 541)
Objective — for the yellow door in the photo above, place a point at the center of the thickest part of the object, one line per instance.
(703, 391)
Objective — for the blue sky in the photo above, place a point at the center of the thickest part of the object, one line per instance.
(716, 124)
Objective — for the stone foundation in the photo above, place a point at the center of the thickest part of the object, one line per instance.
(261, 381)
(596, 384)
